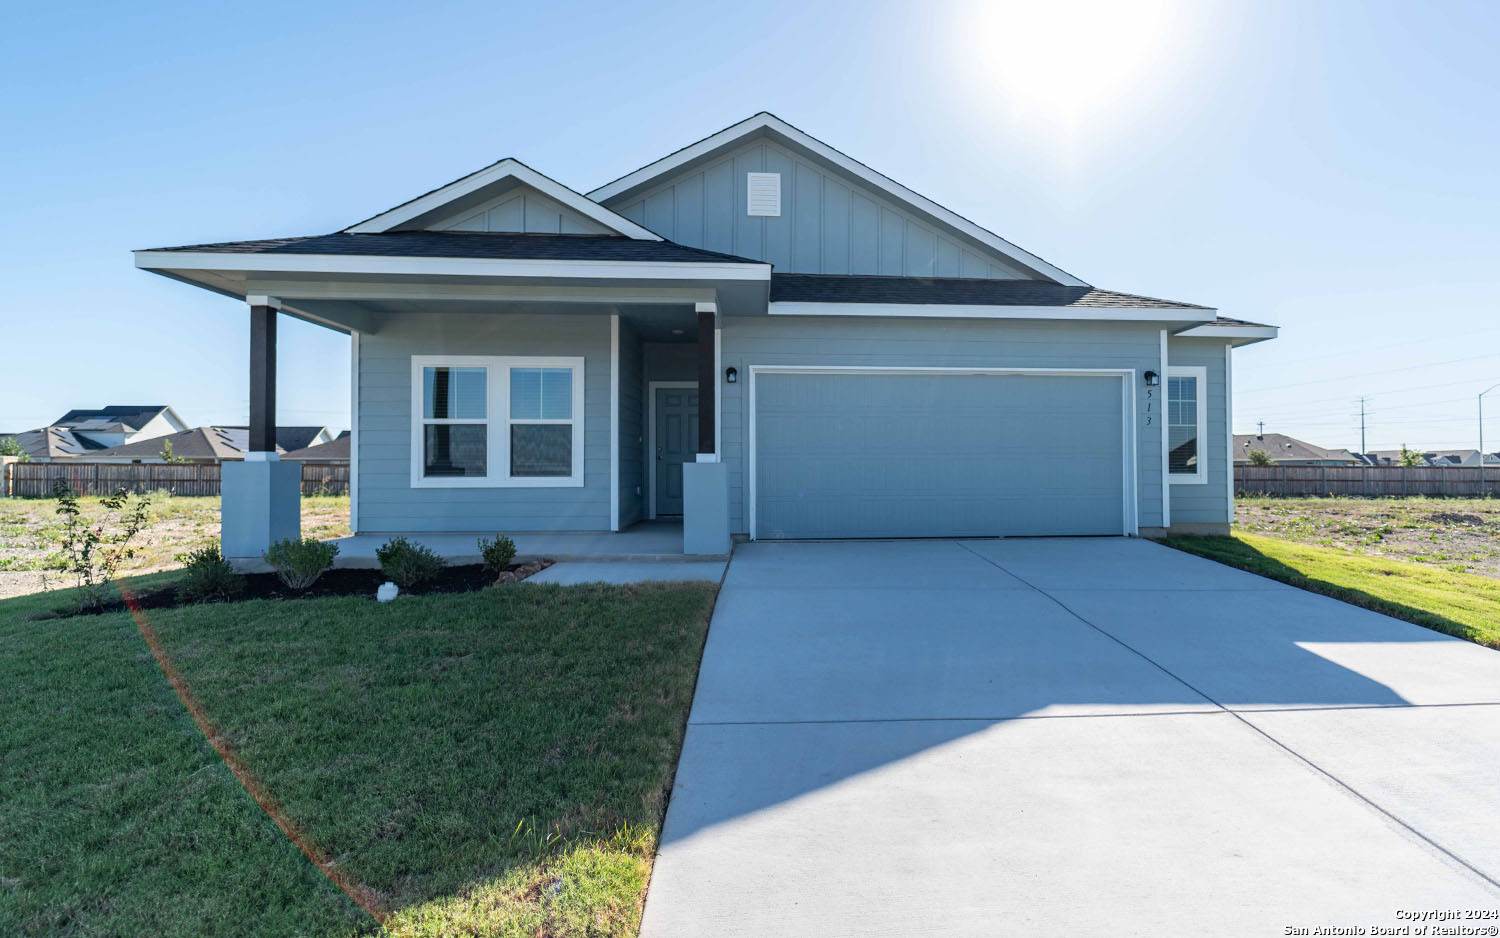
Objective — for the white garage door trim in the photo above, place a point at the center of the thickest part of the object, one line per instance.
(1130, 523)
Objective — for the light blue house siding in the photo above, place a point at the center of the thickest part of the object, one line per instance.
(847, 341)
(632, 426)
(1195, 504)
(829, 222)
(387, 501)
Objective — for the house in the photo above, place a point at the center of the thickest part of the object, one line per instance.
(1289, 451)
(119, 424)
(211, 445)
(81, 434)
(1459, 457)
(333, 452)
(756, 333)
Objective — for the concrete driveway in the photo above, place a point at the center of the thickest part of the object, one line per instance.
(1069, 737)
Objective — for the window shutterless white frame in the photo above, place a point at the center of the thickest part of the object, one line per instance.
(1200, 374)
(498, 421)
(1130, 522)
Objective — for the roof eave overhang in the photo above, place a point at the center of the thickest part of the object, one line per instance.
(304, 283)
(1235, 335)
(1185, 317)
(765, 124)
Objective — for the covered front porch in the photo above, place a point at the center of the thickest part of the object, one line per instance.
(568, 403)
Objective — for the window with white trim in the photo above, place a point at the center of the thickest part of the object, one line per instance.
(496, 421)
(1187, 423)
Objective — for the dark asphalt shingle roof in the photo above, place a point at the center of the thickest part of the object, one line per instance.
(337, 449)
(474, 244)
(197, 443)
(133, 416)
(846, 288)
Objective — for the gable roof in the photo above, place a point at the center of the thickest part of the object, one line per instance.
(197, 443)
(1283, 448)
(769, 125)
(336, 449)
(130, 416)
(472, 244)
(55, 443)
(287, 438)
(476, 186)
(855, 288)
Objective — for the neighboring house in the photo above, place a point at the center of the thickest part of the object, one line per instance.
(206, 445)
(119, 424)
(756, 333)
(1460, 457)
(51, 444)
(81, 434)
(334, 452)
(1289, 451)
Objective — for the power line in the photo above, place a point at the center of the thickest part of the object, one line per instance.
(1367, 374)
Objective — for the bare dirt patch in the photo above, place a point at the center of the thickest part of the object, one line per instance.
(1458, 534)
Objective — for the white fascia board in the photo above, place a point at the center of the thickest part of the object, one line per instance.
(448, 266)
(432, 201)
(1211, 331)
(764, 121)
(954, 311)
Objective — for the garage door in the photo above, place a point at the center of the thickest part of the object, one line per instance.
(897, 454)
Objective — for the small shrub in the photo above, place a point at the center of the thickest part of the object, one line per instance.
(1259, 457)
(497, 552)
(208, 577)
(408, 564)
(298, 563)
(93, 553)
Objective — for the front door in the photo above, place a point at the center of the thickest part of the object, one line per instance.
(676, 443)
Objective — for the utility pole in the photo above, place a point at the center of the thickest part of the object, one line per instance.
(1260, 428)
(1482, 492)
(1362, 402)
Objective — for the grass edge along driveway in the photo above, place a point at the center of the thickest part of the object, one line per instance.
(1458, 604)
(491, 763)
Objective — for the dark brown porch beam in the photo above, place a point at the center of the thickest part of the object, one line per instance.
(262, 375)
(706, 379)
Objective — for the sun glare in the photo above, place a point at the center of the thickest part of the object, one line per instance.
(1062, 62)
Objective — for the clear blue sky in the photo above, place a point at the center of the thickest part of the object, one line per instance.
(1327, 167)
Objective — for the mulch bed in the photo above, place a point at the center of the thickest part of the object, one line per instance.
(342, 582)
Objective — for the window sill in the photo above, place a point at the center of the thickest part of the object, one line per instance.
(485, 483)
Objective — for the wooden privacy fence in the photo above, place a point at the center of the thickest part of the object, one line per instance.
(1366, 480)
(32, 480)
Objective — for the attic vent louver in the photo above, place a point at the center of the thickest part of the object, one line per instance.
(763, 194)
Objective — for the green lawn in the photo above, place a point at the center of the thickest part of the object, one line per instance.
(1460, 604)
(491, 763)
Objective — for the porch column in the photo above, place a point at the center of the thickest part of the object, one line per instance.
(705, 483)
(707, 377)
(260, 496)
(263, 311)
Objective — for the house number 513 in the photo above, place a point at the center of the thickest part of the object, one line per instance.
(1150, 397)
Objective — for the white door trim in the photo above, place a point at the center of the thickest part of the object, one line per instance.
(1130, 522)
(651, 387)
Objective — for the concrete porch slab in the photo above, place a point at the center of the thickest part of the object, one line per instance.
(623, 572)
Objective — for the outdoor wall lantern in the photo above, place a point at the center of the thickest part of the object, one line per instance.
(1152, 379)
(731, 375)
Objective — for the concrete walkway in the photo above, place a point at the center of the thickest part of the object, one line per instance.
(1069, 737)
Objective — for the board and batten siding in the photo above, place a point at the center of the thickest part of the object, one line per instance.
(1205, 503)
(830, 223)
(521, 210)
(632, 426)
(942, 343)
(387, 500)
